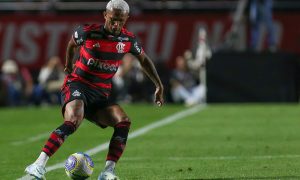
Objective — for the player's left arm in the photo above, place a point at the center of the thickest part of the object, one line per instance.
(149, 68)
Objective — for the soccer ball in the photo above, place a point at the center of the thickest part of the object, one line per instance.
(79, 166)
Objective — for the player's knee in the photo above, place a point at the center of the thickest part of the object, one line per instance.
(74, 112)
(74, 116)
(124, 123)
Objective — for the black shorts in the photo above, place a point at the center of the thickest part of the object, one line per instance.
(92, 98)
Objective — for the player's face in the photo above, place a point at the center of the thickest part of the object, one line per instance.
(115, 20)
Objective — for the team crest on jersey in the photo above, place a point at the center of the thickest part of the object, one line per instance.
(76, 93)
(120, 47)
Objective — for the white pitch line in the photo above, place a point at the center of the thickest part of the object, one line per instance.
(134, 134)
(38, 137)
(288, 156)
(31, 139)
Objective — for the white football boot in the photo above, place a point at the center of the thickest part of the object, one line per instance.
(108, 175)
(36, 171)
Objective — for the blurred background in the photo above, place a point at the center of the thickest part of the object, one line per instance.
(217, 51)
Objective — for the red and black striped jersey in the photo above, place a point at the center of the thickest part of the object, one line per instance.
(100, 55)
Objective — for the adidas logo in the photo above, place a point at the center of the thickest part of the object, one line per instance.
(97, 45)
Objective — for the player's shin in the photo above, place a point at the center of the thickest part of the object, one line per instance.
(117, 144)
(57, 137)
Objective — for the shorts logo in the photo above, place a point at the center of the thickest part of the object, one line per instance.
(76, 93)
(120, 47)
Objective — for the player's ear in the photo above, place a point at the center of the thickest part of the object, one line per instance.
(104, 14)
(126, 17)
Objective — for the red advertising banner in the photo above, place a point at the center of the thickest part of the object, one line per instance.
(32, 39)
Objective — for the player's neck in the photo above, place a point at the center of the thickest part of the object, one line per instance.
(108, 32)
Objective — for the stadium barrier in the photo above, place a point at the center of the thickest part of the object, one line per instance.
(253, 77)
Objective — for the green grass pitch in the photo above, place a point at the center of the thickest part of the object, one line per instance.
(237, 141)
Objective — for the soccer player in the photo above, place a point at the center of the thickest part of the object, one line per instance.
(87, 86)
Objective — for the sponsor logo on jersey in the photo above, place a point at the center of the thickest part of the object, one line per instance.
(76, 93)
(120, 47)
(96, 63)
(123, 38)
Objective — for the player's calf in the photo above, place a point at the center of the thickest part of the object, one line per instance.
(118, 141)
(116, 147)
(57, 137)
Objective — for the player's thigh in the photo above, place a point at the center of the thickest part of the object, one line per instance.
(110, 116)
(74, 111)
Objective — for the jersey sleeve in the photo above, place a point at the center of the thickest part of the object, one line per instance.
(136, 48)
(79, 35)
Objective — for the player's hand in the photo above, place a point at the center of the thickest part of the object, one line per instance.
(159, 96)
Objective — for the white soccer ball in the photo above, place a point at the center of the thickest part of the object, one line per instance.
(79, 166)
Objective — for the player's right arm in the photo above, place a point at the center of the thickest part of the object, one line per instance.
(77, 39)
(71, 49)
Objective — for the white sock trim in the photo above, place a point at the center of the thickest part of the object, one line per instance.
(110, 166)
(42, 159)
